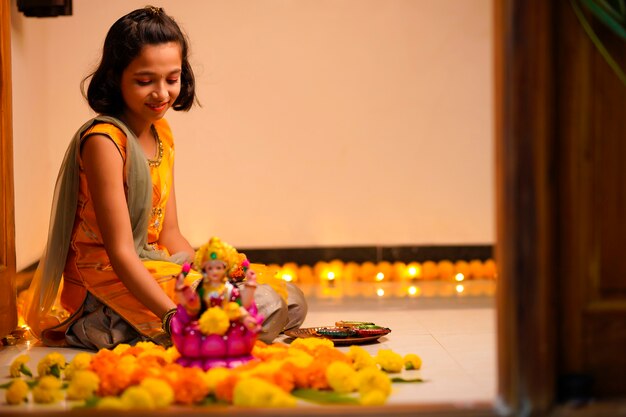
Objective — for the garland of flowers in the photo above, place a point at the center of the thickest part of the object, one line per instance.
(145, 376)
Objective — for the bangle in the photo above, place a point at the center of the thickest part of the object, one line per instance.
(166, 320)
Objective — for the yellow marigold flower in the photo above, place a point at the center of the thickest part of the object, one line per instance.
(19, 367)
(389, 360)
(121, 348)
(299, 358)
(214, 375)
(311, 342)
(48, 390)
(375, 397)
(256, 392)
(233, 311)
(372, 379)
(341, 377)
(361, 358)
(128, 363)
(52, 364)
(160, 353)
(136, 397)
(148, 345)
(80, 362)
(17, 392)
(214, 321)
(111, 403)
(412, 361)
(83, 385)
(161, 392)
(171, 354)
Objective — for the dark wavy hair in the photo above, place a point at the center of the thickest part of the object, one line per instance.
(123, 43)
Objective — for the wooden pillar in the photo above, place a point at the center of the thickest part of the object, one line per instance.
(525, 204)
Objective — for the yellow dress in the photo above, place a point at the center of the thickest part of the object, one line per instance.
(88, 268)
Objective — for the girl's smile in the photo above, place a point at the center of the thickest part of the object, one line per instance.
(151, 83)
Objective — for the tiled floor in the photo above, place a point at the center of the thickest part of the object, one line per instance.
(452, 330)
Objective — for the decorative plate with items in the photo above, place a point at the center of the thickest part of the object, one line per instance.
(344, 332)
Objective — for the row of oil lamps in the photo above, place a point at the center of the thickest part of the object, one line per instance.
(384, 271)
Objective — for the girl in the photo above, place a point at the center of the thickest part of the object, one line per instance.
(114, 246)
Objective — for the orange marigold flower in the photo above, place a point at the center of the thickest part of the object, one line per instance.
(284, 380)
(113, 378)
(225, 388)
(134, 351)
(189, 386)
(300, 375)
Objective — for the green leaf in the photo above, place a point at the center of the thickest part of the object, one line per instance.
(605, 17)
(6, 385)
(55, 370)
(25, 370)
(324, 397)
(90, 402)
(406, 380)
(211, 400)
(596, 41)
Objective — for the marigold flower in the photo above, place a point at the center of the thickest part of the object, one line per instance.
(372, 379)
(52, 364)
(111, 403)
(255, 392)
(389, 360)
(310, 343)
(412, 361)
(83, 385)
(121, 348)
(113, 378)
(148, 346)
(375, 397)
(161, 392)
(341, 377)
(17, 392)
(214, 321)
(188, 384)
(266, 352)
(171, 354)
(80, 362)
(361, 358)
(19, 367)
(299, 358)
(233, 311)
(48, 390)
(225, 388)
(214, 375)
(136, 397)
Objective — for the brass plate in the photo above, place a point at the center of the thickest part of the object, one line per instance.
(312, 332)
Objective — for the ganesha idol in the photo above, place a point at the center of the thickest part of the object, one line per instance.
(217, 322)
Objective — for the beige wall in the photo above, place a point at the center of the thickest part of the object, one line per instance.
(323, 122)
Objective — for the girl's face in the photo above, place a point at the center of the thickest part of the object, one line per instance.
(151, 82)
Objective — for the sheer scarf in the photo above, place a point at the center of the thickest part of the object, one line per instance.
(43, 292)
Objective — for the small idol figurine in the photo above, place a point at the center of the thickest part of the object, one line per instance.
(216, 323)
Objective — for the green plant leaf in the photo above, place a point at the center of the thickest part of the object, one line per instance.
(596, 41)
(324, 397)
(25, 370)
(605, 17)
(406, 380)
(55, 370)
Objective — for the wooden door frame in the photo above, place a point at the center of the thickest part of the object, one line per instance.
(526, 210)
(7, 217)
